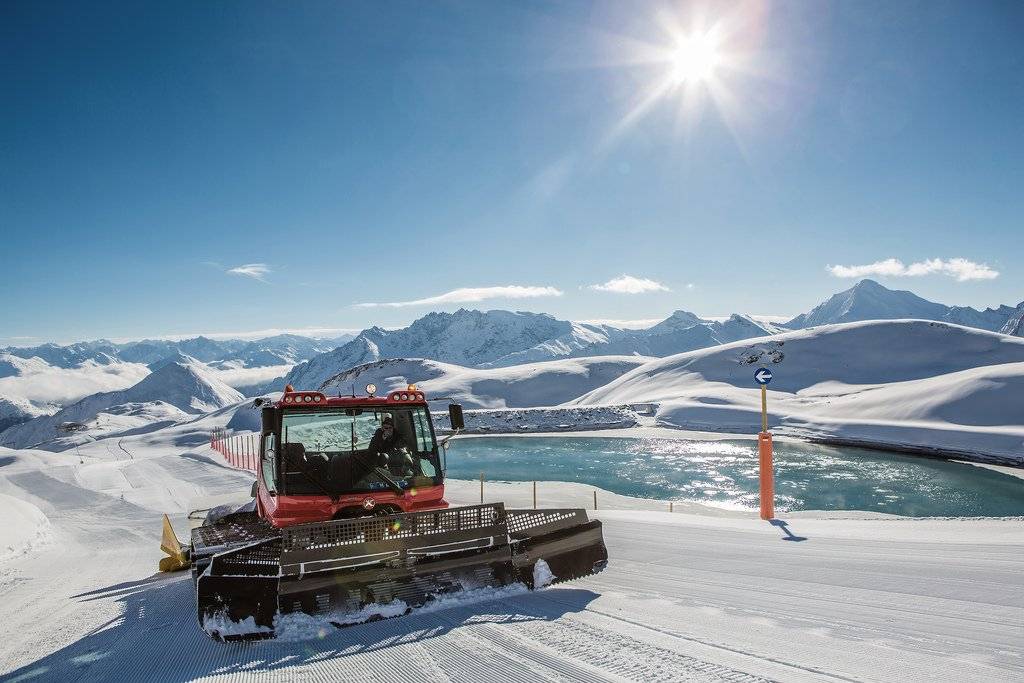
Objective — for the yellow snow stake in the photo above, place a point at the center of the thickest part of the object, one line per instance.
(169, 543)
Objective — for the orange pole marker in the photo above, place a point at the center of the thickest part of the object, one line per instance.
(767, 475)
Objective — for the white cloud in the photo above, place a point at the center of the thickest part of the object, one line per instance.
(627, 284)
(472, 295)
(257, 271)
(959, 268)
(44, 383)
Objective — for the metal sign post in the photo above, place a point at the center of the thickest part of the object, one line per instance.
(764, 449)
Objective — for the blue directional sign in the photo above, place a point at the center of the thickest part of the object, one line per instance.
(762, 375)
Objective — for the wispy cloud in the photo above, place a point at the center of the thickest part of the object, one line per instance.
(627, 284)
(959, 268)
(472, 295)
(257, 271)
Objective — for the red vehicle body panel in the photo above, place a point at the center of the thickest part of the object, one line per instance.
(285, 510)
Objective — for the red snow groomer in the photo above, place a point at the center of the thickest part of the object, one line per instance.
(348, 511)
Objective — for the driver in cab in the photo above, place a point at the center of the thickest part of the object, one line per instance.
(388, 449)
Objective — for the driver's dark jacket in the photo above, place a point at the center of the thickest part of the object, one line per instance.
(380, 445)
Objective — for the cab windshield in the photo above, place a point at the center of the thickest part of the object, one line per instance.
(357, 449)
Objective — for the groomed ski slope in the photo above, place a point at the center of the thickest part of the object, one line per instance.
(687, 597)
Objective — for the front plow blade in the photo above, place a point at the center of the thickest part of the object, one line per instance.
(570, 544)
(338, 568)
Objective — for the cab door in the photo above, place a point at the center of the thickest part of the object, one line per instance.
(267, 491)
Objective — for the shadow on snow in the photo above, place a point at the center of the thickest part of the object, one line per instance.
(155, 636)
(784, 525)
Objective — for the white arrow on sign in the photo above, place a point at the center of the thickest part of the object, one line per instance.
(763, 376)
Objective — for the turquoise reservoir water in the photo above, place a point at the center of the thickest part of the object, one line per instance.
(724, 474)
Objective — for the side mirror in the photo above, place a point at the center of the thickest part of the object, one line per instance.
(268, 419)
(455, 416)
(255, 489)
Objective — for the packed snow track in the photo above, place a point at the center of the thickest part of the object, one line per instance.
(686, 597)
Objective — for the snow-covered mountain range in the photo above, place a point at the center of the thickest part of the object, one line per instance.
(484, 358)
(33, 379)
(495, 339)
(868, 300)
(520, 386)
(282, 349)
(170, 394)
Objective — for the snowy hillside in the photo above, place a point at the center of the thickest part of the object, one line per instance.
(468, 338)
(520, 386)
(578, 341)
(15, 366)
(14, 410)
(904, 382)
(169, 394)
(868, 300)
(1015, 324)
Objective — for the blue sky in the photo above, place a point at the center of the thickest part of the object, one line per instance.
(337, 154)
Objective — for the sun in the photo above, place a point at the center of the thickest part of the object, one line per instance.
(695, 59)
(711, 63)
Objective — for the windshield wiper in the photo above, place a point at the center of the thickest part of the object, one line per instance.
(386, 476)
(334, 496)
(382, 473)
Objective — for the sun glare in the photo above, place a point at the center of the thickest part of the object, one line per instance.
(695, 59)
(701, 65)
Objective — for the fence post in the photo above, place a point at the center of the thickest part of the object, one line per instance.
(670, 506)
(534, 495)
(595, 499)
(481, 488)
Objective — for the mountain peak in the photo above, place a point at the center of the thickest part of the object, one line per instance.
(185, 385)
(177, 358)
(679, 320)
